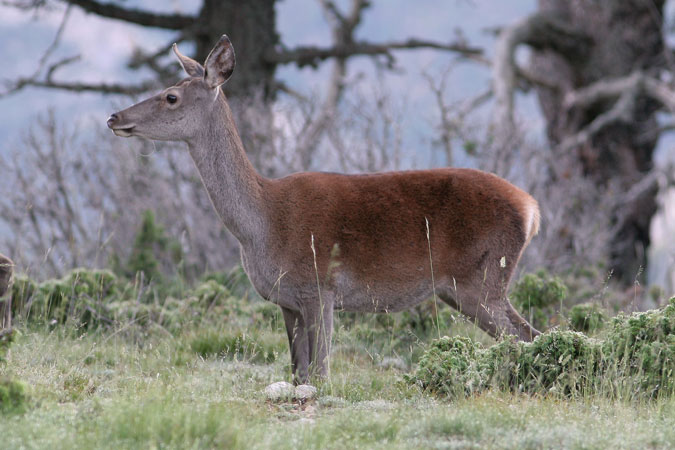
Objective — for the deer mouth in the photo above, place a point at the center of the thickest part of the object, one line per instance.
(123, 132)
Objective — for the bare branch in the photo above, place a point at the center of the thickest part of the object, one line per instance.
(602, 90)
(54, 43)
(136, 16)
(539, 30)
(660, 91)
(504, 68)
(622, 111)
(627, 89)
(103, 88)
(312, 56)
(140, 58)
(343, 35)
(50, 83)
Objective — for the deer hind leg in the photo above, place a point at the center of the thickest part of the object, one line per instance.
(298, 344)
(485, 302)
(475, 308)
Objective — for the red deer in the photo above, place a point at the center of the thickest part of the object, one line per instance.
(315, 242)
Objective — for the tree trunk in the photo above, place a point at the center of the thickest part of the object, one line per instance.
(6, 269)
(251, 25)
(626, 35)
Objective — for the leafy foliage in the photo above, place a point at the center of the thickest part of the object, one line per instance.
(537, 296)
(13, 396)
(587, 317)
(636, 359)
(151, 241)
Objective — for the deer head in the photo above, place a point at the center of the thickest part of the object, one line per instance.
(179, 112)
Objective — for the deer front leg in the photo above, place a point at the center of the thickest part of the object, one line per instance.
(319, 321)
(298, 343)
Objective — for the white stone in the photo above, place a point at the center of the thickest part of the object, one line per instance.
(305, 392)
(281, 390)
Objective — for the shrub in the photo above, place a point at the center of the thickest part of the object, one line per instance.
(6, 339)
(538, 296)
(80, 296)
(22, 293)
(635, 360)
(639, 352)
(587, 317)
(13, 397)
(449, 367)
(150, 247)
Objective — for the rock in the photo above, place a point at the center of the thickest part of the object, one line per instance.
(283, 391)
(305, 392)
(280, 390)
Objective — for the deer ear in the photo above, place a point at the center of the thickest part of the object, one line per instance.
(190, 66)
(220, 63)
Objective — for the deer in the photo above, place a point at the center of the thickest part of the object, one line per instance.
(316, 242)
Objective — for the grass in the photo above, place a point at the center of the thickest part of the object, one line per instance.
(98, 391)
(199, 383)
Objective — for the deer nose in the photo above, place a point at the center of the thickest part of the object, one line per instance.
(112, 119)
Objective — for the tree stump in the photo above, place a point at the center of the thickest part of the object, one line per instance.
(6, 269)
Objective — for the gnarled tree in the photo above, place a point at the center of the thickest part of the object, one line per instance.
(599, 69)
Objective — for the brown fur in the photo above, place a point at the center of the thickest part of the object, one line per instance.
(378, 223)
(315, 242)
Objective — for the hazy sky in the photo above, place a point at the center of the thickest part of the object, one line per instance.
(105, 46)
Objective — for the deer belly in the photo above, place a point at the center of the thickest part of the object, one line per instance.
(381, 297)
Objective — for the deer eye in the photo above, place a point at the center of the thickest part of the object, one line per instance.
(171, 98)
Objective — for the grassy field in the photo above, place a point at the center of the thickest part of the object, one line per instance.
(106, 391)
(200, 385)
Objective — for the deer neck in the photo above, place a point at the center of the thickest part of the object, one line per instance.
(233, 185)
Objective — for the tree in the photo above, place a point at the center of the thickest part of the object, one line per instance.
(602, 73)
(251, 25)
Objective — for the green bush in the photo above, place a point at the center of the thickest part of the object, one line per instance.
(639, 351)
(538, 296)
(13, 397)
(90, 299)
(6, 339)
(635, 360)
(22, 294)
(81, 297)
(587, 317)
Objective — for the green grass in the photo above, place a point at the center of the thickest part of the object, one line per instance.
(183, 368)
(110, 390)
